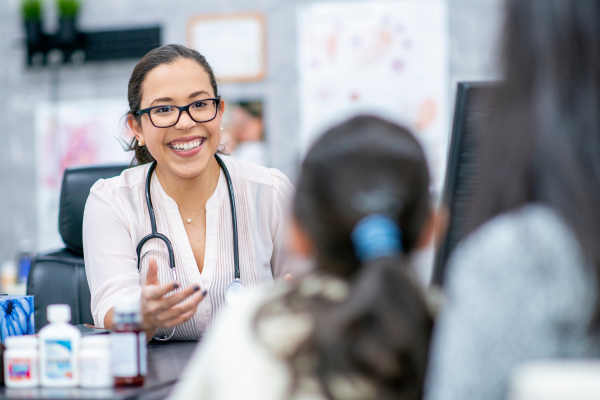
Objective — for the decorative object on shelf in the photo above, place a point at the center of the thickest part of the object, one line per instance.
(234, 44)
(70, 45)
(67, 11)
(93, 46)
(31, 11)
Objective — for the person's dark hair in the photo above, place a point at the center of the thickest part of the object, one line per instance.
(543, 143)
(380, 332)
(166, 54)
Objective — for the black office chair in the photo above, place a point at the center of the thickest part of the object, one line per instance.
(58, 276)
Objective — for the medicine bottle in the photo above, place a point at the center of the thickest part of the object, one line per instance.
(21, 362)
(128, 343)
(95, 362)
(59, 349)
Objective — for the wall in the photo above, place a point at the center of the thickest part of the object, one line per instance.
(474, 27)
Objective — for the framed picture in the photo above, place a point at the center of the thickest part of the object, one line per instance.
(233, 44)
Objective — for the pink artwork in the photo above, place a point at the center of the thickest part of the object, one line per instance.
(71, 133)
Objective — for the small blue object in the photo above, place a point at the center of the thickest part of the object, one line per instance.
(376, 235)
(16, 316)
(24, 266)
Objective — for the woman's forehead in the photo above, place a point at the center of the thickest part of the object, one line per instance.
(176, 80)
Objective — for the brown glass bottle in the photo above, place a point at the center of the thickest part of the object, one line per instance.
(128, 342)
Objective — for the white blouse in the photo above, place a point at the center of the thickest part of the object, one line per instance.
(116, 219)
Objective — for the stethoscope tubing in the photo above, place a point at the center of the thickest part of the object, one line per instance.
(236, 257)
(159, 236)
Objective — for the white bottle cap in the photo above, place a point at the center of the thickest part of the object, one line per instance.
(99, 341)
(128, 304)
(58, 313)
(21, 342)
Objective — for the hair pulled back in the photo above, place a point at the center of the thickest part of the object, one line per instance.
(380, 332)
(166, 54)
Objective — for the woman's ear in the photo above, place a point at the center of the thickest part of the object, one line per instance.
(221, 111)
(301, 243)
(135, 128)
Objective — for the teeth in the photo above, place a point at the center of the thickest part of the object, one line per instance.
(187, 146)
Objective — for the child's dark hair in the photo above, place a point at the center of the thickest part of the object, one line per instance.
(378, 334)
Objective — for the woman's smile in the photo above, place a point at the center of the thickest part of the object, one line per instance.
(187, 146)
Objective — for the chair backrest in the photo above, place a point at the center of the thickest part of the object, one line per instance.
(58, 276)
(471, 109)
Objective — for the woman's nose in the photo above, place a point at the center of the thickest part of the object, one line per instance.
(185, 121)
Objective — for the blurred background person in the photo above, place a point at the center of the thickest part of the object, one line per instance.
(243, 132)
(524, 284)
(359, 328)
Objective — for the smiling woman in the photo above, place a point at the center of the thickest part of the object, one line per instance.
(172, 236)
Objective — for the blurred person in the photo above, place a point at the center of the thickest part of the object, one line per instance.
(175, 114)
(359, 328)
(244, 132)
(524, 284)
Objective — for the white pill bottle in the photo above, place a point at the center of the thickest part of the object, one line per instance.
(59, 349)
(21, 362)
(95, 362)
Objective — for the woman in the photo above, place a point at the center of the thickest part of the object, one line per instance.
(524, 284)
(359, 329)
(175, 114)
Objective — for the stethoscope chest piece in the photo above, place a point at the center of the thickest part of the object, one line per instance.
(234, 292)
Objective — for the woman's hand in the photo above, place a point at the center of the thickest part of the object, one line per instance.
(159, 311)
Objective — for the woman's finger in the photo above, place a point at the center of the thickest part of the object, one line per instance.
(156, 292)
(152, 277)
(181, 319)
(288, 278)
(182, 308)
(180, 296)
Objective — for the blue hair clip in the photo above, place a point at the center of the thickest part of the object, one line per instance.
(376, 235)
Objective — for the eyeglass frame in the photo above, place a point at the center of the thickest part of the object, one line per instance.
(181, 110)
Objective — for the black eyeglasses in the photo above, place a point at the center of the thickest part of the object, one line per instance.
(166, 116)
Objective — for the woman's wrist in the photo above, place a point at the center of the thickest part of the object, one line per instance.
(150, 333)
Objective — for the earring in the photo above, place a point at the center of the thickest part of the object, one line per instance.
(140, 143)
(221, 128)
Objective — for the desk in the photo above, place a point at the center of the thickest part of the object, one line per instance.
(165, 363)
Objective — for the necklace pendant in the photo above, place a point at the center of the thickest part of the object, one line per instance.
(189, 221)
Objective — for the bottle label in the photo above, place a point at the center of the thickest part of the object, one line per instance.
(94, 372)
(59, 359)
(125, 350)
(143, 354)
(21, 369)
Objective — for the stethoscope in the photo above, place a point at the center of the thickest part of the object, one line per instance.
(235, 291)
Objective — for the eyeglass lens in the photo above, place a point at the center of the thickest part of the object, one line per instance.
(200, 111)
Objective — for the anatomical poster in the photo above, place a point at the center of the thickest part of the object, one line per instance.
(388, 58)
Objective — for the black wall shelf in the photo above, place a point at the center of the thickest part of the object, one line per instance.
(94, 46)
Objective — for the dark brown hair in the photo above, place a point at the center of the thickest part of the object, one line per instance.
(543, 143)
(162, 55)
(381, 331)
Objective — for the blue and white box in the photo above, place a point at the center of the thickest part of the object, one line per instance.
(16, 316)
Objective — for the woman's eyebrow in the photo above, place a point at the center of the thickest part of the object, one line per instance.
(161, 100)
(198, 93)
